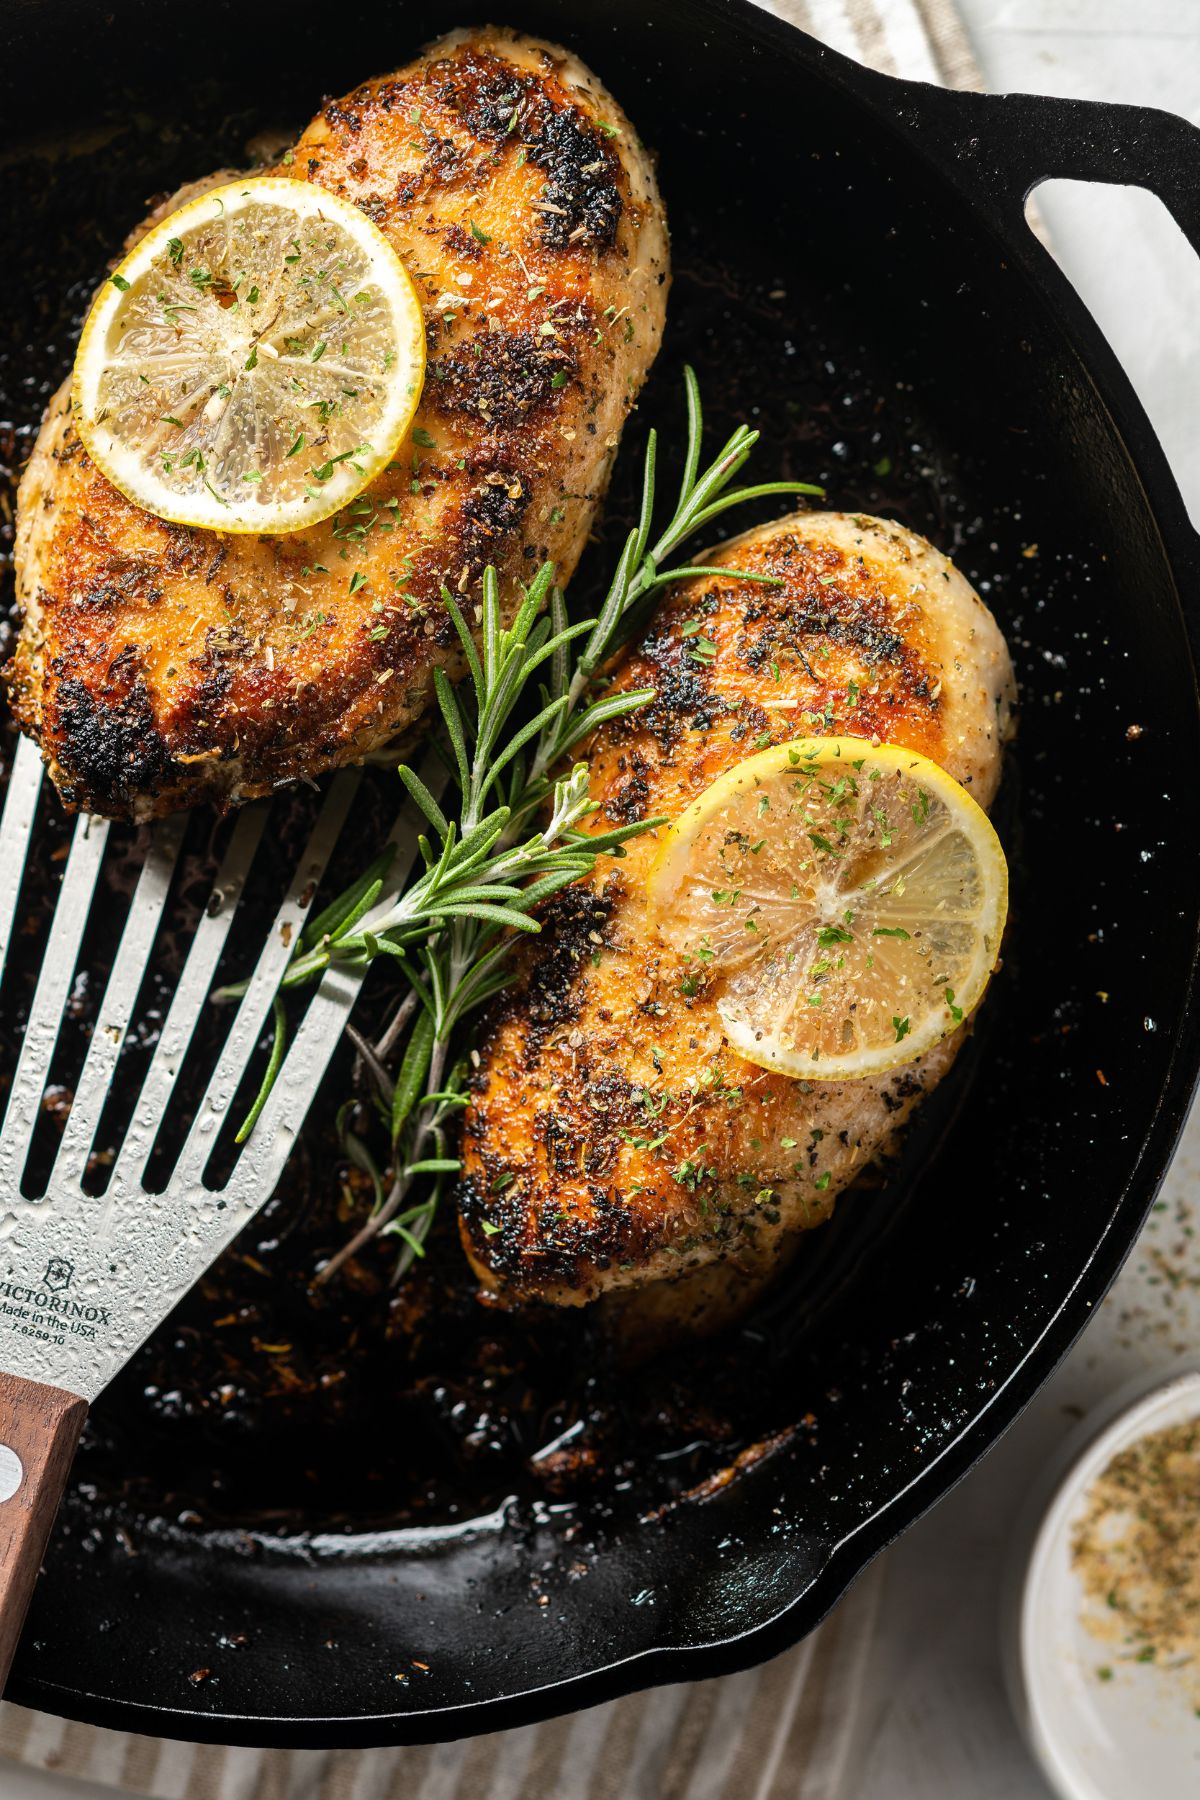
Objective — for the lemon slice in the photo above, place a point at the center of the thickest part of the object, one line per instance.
(253, 362)
(843, 904)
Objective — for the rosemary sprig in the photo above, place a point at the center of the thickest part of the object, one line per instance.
(507, 842)
(639, 574)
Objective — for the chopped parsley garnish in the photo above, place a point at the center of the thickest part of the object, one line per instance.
(326, 469)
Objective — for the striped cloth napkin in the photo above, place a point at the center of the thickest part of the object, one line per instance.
(785, 1731)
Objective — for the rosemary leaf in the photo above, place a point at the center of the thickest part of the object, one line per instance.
(413, 1071)
(274, 1064)
(339, 910)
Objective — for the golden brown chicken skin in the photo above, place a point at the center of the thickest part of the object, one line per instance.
(159, 665)
(614, 1141)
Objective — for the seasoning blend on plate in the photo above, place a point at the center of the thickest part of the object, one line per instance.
(1136, 1550)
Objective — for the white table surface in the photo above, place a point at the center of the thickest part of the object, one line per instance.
(936, 1721)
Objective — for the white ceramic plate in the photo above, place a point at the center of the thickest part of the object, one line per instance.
(1137, 1736)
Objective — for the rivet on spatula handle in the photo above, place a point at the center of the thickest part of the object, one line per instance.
(39, 1429)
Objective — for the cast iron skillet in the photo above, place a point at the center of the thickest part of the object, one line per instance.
(853, 253)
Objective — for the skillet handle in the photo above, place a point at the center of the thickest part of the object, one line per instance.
(39, 1429)
(1011, 142)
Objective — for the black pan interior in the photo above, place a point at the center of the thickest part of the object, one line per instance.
(835, 289)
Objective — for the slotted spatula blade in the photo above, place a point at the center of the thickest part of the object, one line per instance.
(85, 1278)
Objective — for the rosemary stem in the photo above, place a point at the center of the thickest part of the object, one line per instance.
(397, 1025)
(367, 1057)
(425, 1127)
(364, 1234)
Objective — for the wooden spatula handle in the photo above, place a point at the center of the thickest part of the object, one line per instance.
(39, 1429)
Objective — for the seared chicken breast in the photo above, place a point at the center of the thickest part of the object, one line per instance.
(614, 1141)
(160, 665)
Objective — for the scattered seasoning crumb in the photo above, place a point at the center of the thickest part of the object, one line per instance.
(1136, 1550)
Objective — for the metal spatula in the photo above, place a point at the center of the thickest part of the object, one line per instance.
(85, 1279)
